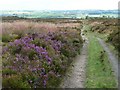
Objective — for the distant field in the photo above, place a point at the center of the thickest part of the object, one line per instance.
(62, 13)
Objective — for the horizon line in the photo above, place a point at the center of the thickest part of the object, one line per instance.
(59, 10)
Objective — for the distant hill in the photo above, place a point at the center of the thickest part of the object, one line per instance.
(60, 13)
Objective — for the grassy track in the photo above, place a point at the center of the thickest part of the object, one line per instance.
(99, 72)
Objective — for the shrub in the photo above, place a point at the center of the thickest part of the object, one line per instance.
(14, 81)
(114, 39)
(39, 60)
(6, 38)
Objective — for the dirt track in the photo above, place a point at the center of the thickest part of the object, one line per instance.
(75, 78)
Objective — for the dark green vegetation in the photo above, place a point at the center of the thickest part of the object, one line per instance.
(37, 54)
(11, 18)
(114, 38)
(107, 29)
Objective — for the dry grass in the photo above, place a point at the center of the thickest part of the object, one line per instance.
(24, 26)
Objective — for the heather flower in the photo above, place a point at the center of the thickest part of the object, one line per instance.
(44, 83)
(43, 71)
(49, 59)
(11, 43)
(5, 49)
(17, 42)
(34, 69)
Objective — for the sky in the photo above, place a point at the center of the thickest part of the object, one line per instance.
(58, 4)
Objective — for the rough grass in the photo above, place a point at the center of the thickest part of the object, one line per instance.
(99, 72)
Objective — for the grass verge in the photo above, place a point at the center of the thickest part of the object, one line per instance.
(99, 72)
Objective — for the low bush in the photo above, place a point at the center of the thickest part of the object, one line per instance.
(114, 38)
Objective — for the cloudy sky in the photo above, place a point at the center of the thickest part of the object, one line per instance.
(58, 4)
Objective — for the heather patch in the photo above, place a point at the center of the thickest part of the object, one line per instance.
(39, 60)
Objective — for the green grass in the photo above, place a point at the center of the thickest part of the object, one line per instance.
(110, 45)
(105, 38)
(99, 73)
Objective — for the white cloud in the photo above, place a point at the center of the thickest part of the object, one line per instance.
(57, 4)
